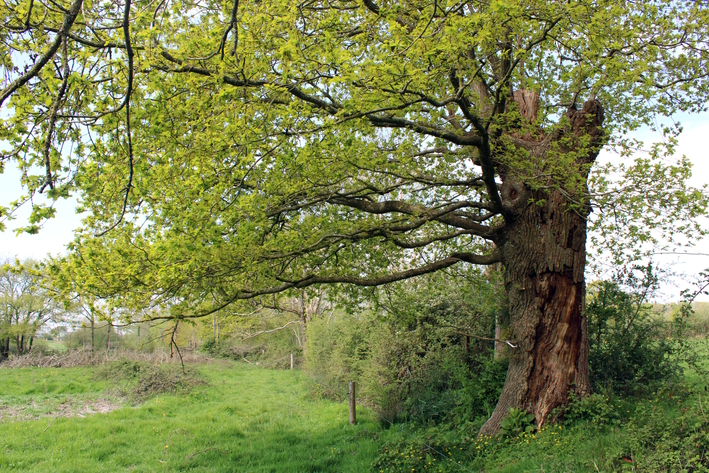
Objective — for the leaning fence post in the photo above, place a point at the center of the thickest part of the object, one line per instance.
(291, 361)
(353, 413)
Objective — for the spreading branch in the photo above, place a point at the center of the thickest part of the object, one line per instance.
(69, 18)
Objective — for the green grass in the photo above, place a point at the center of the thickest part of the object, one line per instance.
(35, 381)
(248, 419)
(245, 419)
(31, 393)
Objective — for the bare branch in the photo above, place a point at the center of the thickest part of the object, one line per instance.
(256, 334)
(371, 6)
(53, 118)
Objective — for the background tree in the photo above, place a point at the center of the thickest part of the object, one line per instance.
(251, 149)
(26, 305)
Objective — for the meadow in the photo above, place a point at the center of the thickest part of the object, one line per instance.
(229, 416)
(238, 418)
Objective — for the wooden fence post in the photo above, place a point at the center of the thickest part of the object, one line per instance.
(291, 361)
(353, 413)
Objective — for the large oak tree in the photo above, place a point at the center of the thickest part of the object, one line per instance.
(227, 150)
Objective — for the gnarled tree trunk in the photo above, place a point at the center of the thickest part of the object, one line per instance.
(544, 258)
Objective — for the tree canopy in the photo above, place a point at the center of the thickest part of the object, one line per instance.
(227, 150)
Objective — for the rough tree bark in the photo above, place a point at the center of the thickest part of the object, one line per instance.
(544, 256)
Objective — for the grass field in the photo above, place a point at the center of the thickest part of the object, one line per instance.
(243, 420)
(239, 418)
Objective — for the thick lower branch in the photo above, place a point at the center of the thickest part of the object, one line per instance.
(444, 215)
(454, 258)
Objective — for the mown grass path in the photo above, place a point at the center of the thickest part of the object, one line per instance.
(245, 420)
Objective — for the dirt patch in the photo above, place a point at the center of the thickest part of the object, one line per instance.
(34, 409)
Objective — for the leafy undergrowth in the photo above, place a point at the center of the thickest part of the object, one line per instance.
(239, 418)
(666, 432)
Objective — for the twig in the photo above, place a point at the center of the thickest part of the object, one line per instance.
(252, 335)
(50, 424)
(191, 456)
(174, 342)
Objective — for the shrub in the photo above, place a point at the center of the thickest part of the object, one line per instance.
(337, 348)
(627, 349)
(41, 346)
(481, 391)
(409, 354)
(596, 408)
(267, 341)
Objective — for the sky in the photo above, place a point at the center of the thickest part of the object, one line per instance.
(55, 234)
(58, 232)
(693, 144)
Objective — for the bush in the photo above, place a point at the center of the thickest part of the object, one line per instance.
(598, 409)
(410, 356)
(42, 346)
(628, 351)
(416, 374)
(266, 341)
(481, 392)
